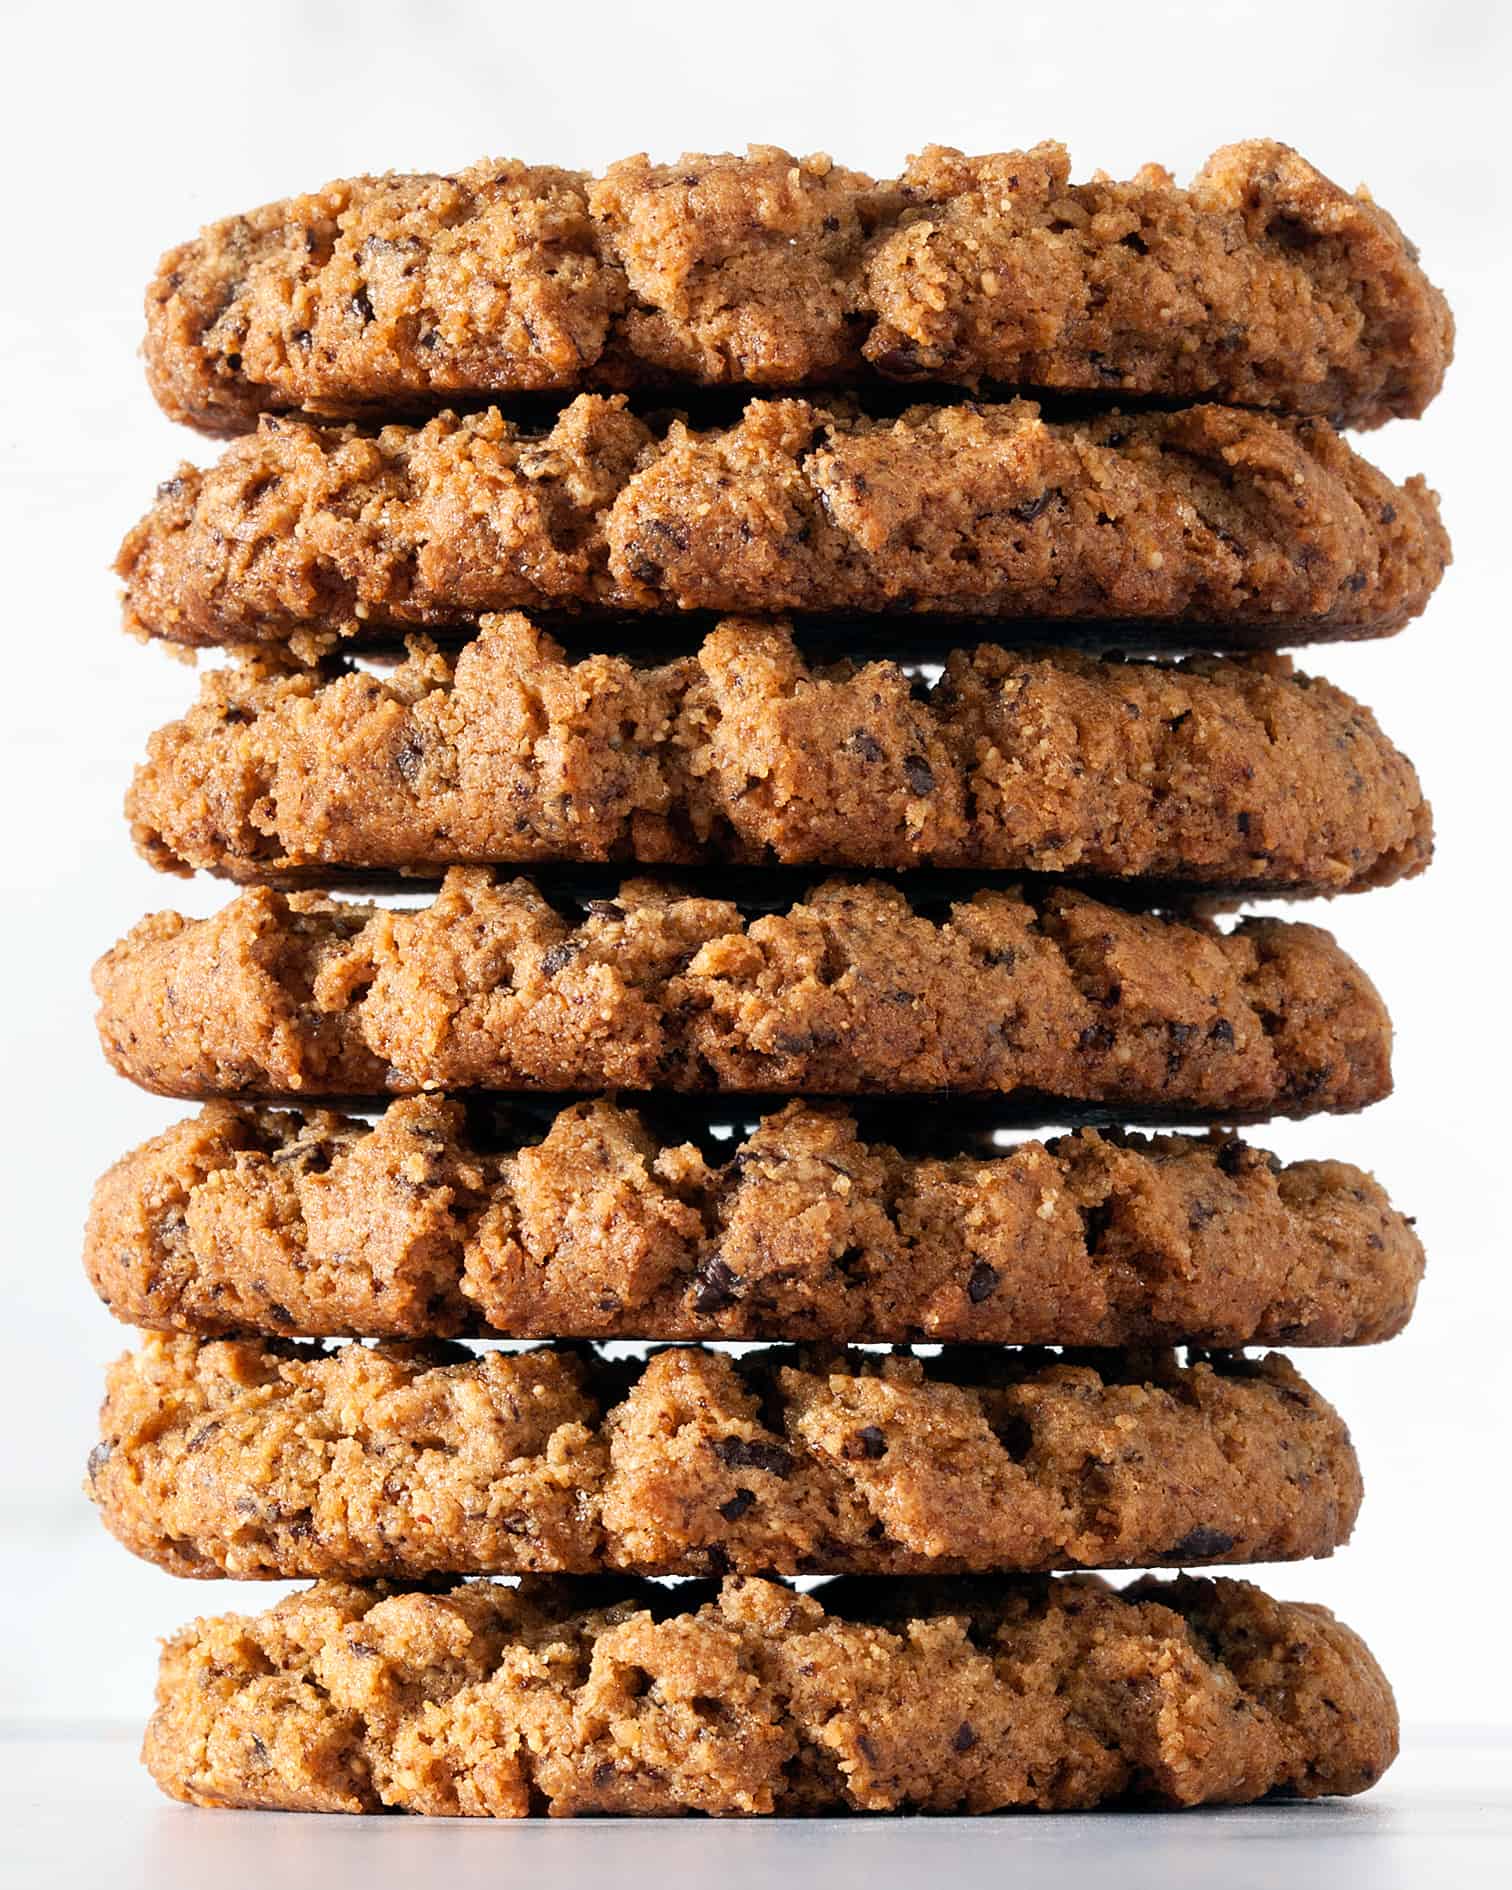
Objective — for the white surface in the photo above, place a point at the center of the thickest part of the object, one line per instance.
(78, 1812)
(125, 127)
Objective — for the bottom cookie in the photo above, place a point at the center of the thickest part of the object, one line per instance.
(593, 1696)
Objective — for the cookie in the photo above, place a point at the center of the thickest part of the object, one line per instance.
(849, 991)
(270, 1459)
(255, 1220)
(1227, 527)
(1244, 776)
(1264, 284)
(487, 1701)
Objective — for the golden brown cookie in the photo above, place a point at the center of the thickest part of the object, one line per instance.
(486, 1701)
(1263, 284)
(256, 1220)
(850, 991)
(1208, 525)
(1242, 775)
(268, 1458)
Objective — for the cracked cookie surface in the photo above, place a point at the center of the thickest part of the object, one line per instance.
(272, 1459)
(1237, 775)
(1259, 531)
(1263, 284)
(850, 991)
(487, 1701)
(256, 1220)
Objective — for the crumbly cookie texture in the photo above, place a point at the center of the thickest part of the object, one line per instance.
(1242, 775)
(553, 1696)
(269, 1459)
(257, 1220)
(849, 991)
(1263, 284)
(1261, 531)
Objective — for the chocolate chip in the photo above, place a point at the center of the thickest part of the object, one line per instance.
(259, 1750)
(1201, 1541)
(865, 745)
(1006, 958)
(1232, 1158)
(740, 1453)
(364, 1650)
(1222, 1031)
(1032, 509)
(202, 1437)
(902, 360)
(409, 759)
(1309, 1082)
(170, 489)
(1388, 515)
(965, 1737)
(865, 1747)
(311, 1158)
(1098, 1038)
(718, 1286)
(737, 1506)
(604, 909)
(1242, 822)
(603, 1774)
(558, 957)
(982, 1284)
(797, 1043)
(1199, 1214)
(868, 1443)
(362, 308)
(98, 1458)
(675, 534)
(919, 775)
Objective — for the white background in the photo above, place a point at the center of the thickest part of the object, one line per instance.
(127, 127)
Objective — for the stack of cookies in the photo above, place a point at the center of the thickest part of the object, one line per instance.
(917, 830)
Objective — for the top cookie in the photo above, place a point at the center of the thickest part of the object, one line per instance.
(1263, 284)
